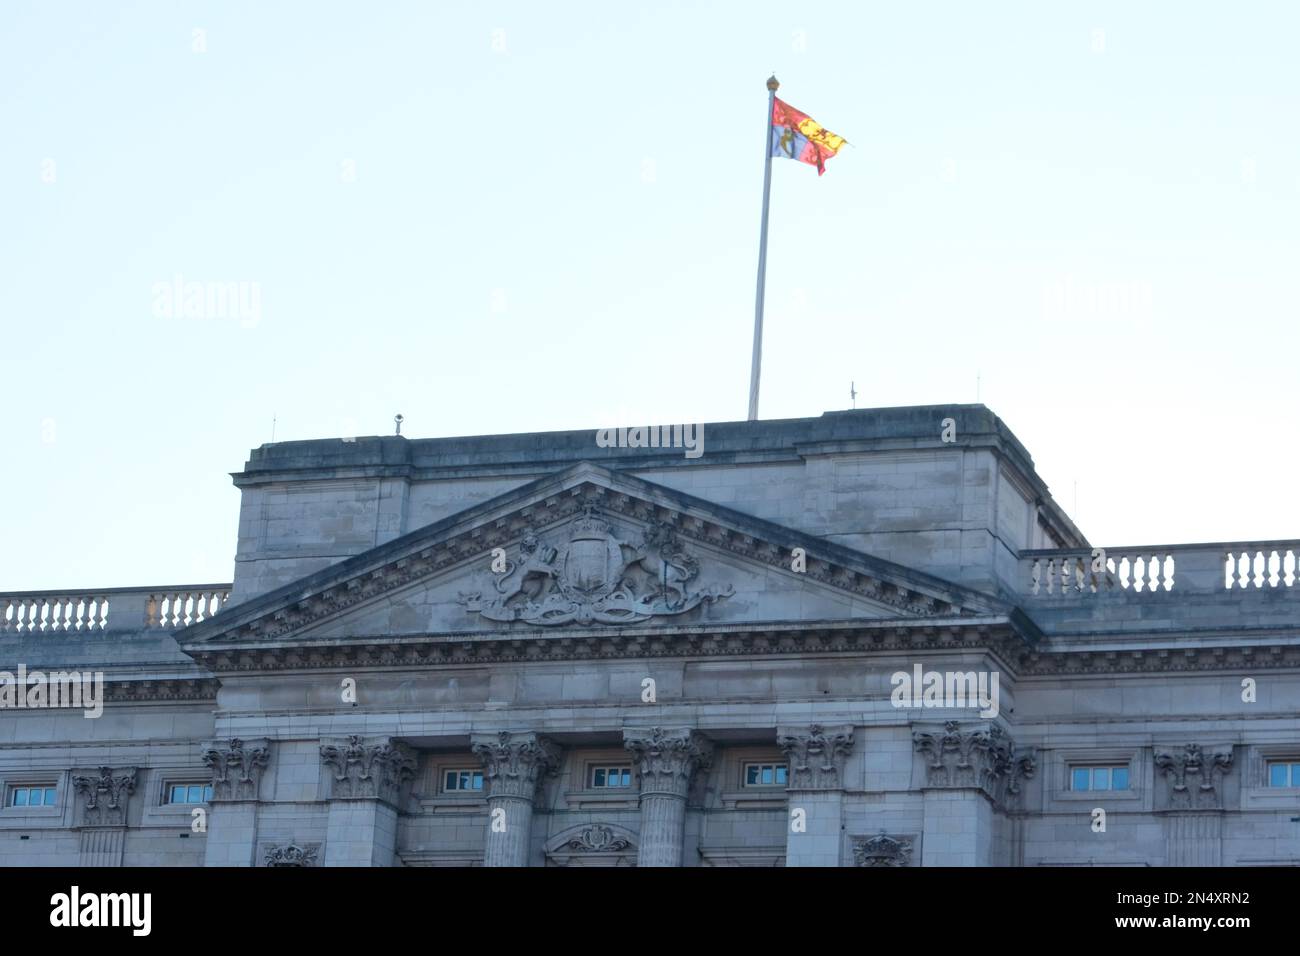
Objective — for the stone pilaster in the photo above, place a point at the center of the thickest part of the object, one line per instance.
(970, 772)
(365, 780)
(666, 763)
(101, 812)
(816, 756)
(1190, 802)
(237, 768)
(515, 766)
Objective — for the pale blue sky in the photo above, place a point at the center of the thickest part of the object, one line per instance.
(511, 217)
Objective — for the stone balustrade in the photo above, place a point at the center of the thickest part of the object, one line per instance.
(108, 609)
(1181, 568)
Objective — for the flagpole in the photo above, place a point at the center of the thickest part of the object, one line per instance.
(772, 87)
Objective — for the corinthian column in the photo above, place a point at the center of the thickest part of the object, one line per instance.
(515, 765)
(666, 762)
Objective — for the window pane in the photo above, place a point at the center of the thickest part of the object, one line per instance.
(20, 798)
(780, 773)
(1277, 775)
(751, 775)
(207, 794)
(35, 799)
(450, 782)
(1119, 778)
(598, 777)
(767, 775)
(195, 793)
(1079, 779)
(1295, 775)
(1101, 778)
(627, 777)
(478, 781)
(49, 796)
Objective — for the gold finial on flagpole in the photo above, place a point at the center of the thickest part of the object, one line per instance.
(772, 83)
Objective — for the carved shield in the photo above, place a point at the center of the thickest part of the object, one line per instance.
(591, 564)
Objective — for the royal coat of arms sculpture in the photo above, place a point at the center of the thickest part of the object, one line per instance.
(596, 578)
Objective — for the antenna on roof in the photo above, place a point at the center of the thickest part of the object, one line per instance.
(273, 428)
(397, 419)
(853, 393)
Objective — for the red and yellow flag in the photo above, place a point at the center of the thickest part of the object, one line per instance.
(796, 135)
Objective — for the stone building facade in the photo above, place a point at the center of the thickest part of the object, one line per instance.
(537, 650)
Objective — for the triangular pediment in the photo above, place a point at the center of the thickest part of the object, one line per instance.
(587, 551)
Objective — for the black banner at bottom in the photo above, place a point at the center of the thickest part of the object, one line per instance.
(332, 905)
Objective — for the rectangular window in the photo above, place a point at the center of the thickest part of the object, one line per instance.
(462, 781)
(765, 774)
(1098, 778)
(32, 796)
(1283, 773)
(603, 777)
(187, 793)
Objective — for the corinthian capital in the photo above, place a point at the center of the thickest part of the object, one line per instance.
(104, 795)
(982, 756)
(515, 764)
(816, 755)
(237, 767)
(367, 771)
(667, 759)
(1193, 776)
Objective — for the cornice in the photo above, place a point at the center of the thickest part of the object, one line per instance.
(997, 636)
(786, 639)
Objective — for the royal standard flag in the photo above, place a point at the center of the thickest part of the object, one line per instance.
(796, 135)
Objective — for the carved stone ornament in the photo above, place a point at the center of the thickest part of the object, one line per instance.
(598, 839)
(236, 767)
(104, 796)
(515, 764)
(594, 577)
(1194, 776)
(595, 844)
(816, 755)
(984, 757)
(363, 771)
(667, 759)
(292, 855)
(881, 850)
